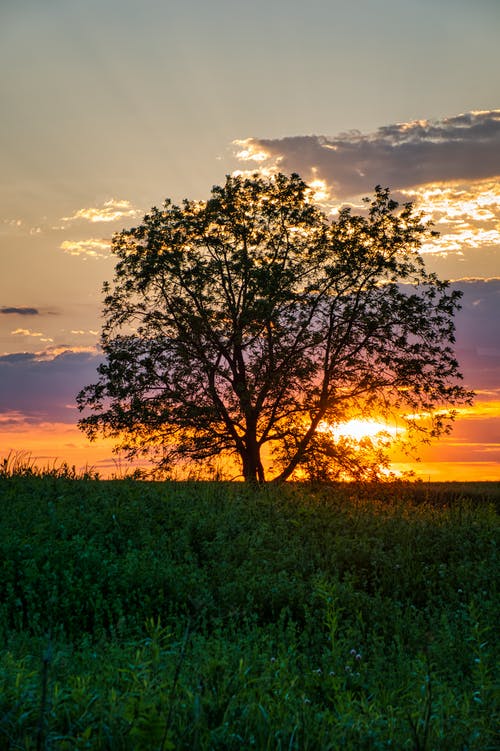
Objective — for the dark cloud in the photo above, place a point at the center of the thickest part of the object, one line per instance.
(403, 155)
(45, 389)
(20, 311)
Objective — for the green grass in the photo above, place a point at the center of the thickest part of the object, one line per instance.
(209, 616)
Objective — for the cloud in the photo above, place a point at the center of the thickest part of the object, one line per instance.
(26, 332)
(110, 211)
(12, 222)
(403, 155)
(467, 215)
(35, 334)
(50, 353)
(20, 311)
(477, 340)
(40, 386)
(9, 227)
(93, 248)
(12, 418)
(448, 168)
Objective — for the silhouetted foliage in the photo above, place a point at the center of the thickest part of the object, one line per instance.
(244, 324)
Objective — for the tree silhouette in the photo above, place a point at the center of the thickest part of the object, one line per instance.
(245, 324)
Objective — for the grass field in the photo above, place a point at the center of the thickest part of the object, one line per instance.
(192, 616)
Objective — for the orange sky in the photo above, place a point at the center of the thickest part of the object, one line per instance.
(470, 453)
(457, 457)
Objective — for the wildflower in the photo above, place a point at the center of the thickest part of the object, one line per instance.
(353, 652)
(358, 656)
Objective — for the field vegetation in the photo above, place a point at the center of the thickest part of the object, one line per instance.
(140, 615)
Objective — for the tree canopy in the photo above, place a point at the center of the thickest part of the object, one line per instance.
(250, 324)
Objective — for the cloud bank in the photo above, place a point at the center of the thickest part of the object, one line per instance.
(42, 386)
(477, 340)
(403, 155)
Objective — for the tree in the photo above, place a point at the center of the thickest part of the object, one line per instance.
(247, 324)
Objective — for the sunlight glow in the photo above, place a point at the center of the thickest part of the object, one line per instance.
(319, 190)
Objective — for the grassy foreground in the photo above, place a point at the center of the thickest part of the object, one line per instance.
(205, 616)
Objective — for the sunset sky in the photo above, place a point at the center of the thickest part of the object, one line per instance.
(110, 106)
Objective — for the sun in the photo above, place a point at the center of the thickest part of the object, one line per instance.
(357, 429)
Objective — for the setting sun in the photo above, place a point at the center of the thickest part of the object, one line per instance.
(357, 429)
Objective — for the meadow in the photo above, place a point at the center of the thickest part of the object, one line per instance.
(138, 615)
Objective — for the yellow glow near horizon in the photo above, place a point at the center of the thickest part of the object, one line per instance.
(52, 444)
(471, 452)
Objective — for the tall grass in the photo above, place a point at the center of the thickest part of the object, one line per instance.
(210, 616)
(24, 464)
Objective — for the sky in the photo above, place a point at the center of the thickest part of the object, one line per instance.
(111, 106)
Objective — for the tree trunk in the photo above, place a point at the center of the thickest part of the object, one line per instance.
(253, 469)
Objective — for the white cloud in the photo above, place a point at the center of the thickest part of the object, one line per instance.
(27, 332)
(92, 248)
(467, 215)
(51, 353)
(110, 211)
